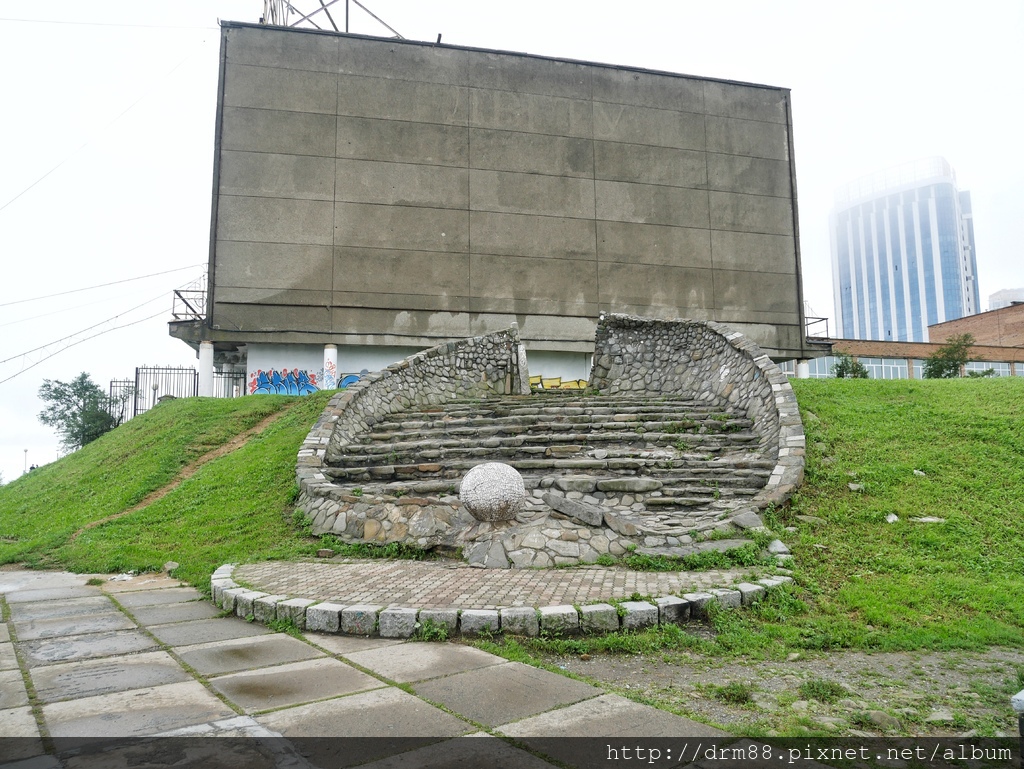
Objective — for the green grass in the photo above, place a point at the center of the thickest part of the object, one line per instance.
(861, 583)
(911, 585)
(232, 509)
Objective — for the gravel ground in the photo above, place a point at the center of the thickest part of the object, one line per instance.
(913, 693)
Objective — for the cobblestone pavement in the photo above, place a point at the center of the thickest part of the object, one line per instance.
(139, 672)
(446, 584)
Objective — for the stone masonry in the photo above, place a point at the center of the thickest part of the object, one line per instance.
(693, 430)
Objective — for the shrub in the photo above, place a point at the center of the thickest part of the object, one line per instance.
(848, 367)
(948, 360)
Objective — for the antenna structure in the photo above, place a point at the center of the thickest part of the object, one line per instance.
(286, 13)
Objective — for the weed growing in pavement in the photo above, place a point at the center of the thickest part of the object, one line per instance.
(428, 630)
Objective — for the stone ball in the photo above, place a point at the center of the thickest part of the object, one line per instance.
(493, 492)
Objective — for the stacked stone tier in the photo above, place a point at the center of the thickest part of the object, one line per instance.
(669, 468)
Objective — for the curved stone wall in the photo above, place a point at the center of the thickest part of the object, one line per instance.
(714, 364)
(483, 365)
(693, 359)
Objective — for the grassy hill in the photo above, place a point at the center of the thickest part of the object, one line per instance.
(862, 582)
(232, 509)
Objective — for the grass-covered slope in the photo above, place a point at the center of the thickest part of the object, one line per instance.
(231, 509)
(907, 584)
(862, 582)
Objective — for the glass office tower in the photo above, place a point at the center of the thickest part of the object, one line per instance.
(903, 253)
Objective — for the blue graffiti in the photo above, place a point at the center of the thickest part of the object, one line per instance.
(283, 382)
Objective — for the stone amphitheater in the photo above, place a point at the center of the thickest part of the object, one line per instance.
(686, 432)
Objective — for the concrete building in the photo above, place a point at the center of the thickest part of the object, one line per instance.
(998, 346)
(903, 255)
(1005, 298)
(374, 197)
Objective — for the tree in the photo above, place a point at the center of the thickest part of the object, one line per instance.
(76, 409)
(949, 360)
(848, 367)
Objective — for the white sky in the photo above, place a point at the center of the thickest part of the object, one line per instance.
(108, 126)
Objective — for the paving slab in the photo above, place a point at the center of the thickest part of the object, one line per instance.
(420, 661)
(57, 627)
(103, 676)
(386, 712)
(346, 644)
(5, 634)
(50, 650)
(136, 712)
(8, 661)
(221, 657)
(206, 630)
(20, 734)
(162, 614)
(134, 599)
(484, 695)
(469, 752)
(30, 579)
(293, 684)
(12, 690)
(607, 716)
(95, 604)
(151, 580)
(51, 594)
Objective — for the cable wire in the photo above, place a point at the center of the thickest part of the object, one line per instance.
(101, 333)
(88, 328)
(102, 24)
(88, 141)
(100, 285)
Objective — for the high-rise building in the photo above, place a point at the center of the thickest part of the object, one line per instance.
(1005, 298)
(903, 253)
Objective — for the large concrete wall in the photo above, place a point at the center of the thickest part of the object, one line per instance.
(373, 191)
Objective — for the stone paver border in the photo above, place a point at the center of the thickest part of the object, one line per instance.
(403, 622)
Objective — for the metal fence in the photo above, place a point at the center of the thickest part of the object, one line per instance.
(152, 383)
(121, 400)
(228, 384)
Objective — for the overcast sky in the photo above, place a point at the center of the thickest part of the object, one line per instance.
(108, 127)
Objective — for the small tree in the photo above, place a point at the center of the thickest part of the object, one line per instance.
(848, 367)
(949, 360)
(76, 409)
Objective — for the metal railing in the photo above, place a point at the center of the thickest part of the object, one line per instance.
(189, 302)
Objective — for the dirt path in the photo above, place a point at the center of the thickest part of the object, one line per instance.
(913, 693)
(187, 472)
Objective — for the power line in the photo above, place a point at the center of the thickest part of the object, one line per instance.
(102, 24)
(88, 141)
(101, 285)
(88, 328)
(101, 333)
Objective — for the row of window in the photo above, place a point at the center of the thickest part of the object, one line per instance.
(896, 368)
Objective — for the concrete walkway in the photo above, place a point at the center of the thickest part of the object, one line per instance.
(148, 656)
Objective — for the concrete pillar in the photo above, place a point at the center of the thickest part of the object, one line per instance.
(803, 369)
(206, 369)
(910, 368)
(330, 367)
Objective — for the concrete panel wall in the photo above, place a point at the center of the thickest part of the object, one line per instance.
(380, 191)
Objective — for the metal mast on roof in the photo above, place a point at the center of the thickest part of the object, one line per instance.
(280, 13)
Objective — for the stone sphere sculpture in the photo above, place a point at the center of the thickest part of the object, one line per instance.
(493, 492)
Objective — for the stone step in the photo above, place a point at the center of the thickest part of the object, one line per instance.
(407, 454)
(671, 422)
(712, 492)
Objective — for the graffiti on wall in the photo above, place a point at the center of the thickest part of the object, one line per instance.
(351, 379)
(284, 382)
(330, 375)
